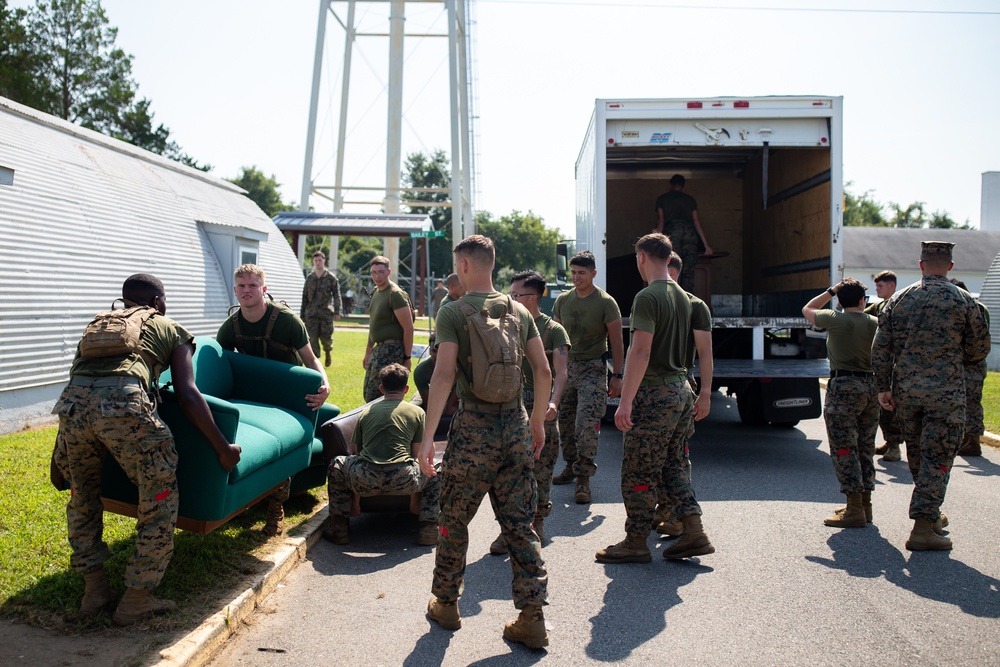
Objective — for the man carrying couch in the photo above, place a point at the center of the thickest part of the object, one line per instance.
(387, 437)
(263, 328)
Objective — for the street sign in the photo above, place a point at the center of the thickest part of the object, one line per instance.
(433, 234)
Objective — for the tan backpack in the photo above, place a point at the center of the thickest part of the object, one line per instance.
(495, 352)
(115, 332)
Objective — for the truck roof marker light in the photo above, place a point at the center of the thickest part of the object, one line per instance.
(819, 104)
(742, 104)
(718, 104)
(823, 140)
(614, 106)
(611, 140)
(694, 105)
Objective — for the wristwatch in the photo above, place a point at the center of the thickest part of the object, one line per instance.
(830, 291)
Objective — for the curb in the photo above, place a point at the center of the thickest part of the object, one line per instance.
(200, 646)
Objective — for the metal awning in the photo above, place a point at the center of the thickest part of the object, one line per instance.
(350, 224)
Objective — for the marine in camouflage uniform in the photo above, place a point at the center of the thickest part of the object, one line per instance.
(321, 289)
(390, 327)
(655, 413)
(851, 409)
(384, 438)
(488, 452)
(975, 377)
(891, 431)
(677, 217)
(927, 333)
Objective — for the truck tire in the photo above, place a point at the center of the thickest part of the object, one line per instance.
(750, 403)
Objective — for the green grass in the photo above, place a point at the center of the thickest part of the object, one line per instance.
(36, 583)
(991, 402)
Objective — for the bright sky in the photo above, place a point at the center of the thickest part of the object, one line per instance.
(231, 79)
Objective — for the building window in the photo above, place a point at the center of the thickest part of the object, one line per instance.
(248, 253)
(6, 176)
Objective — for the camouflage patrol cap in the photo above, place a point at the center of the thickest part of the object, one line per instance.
(931, 250)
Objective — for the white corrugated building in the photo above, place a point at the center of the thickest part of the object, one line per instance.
(79, 213)
(990, 296)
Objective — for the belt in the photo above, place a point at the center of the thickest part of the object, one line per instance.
(529, 396)
(662, 382)
(475, 406)
(860, 374)
(110, 381)
(388, 340)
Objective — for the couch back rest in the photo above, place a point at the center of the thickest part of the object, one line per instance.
(212, 374)
(337, 432)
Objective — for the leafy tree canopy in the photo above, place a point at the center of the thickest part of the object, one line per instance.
(863, 211)
(264, 190)
(522, 242)
(60, 57)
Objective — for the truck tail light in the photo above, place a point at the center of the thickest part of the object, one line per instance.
(694, 105)
(743, 104)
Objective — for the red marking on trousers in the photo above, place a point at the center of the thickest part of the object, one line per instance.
(444, 531)
(597, 427)
(163, 495)
(843, 452)
(944, 468)
(641, 487)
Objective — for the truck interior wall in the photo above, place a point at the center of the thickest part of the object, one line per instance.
(791, 231)
(631, 213)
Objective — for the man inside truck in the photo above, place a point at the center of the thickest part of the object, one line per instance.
(677, 217)
(591, 317)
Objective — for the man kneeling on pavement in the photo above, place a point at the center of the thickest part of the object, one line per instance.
(387, 438)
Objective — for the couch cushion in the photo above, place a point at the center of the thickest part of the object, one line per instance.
(260, 449)
(291, 429)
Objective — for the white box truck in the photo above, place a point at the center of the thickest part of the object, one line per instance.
(767, 175)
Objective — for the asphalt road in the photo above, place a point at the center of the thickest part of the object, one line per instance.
(781, 589)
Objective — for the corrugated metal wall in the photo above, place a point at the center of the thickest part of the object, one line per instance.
(83, 213)
(990, 296)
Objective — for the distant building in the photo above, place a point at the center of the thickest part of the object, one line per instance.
(79, 213)
(870, 250)
(989, 211)
(990, 296)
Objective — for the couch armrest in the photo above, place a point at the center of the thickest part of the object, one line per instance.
(273, 383)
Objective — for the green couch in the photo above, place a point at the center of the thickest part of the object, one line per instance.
(259, 405)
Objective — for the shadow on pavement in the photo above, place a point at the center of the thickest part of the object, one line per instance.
(635, 605)
(936, 575)
(379, 541)
(978, 466)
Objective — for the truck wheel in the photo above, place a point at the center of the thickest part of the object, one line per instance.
(750, 403)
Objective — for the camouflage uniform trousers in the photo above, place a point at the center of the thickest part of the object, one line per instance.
(975, 376)
(665, 504)
(933, 435)
(890, 427)
(655, 455)
(353, 474)
(851, 412)
(583, 404)
(383, 354)
(684, 239)
(319, 326)
(545, 465)
(123, 421)
(489, 452)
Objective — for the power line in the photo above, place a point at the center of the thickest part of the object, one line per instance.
(835, 10)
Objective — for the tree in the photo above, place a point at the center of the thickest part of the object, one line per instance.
(863, 210)
(60, 57)
(263, 190)
(422, 171)
(522, 242)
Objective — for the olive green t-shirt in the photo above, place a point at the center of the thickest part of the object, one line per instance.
(677, 206)
(701, 320)
(288, 330)
(159, 338)
(664, 310)
(849, 339)
(553, 336)
(382, 322)
(585, 320)
(387, 430)
(451, 328)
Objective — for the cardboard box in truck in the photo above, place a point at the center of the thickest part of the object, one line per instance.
(767, 175)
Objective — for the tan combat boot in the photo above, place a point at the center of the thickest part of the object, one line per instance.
(329, 359)
(853, 515)
(923, 538)
(694, 541)
(427, 535)
(275, 524)
(97, 592)
(499, 546)
(866, 503)
(970, 446)
(529, 628)
(633, 549)
(137, 604)
(940, 524)
(539, 525)
(669, 525)
(444, 613)
(892, 453)
(582, 492)
(882, 449)
(566, 476)
(336, 530)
